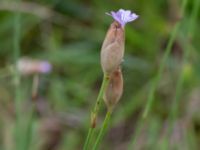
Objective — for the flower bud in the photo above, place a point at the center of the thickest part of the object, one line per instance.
(114, 89)
(112, 50)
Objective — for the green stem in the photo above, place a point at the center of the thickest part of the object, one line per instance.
(186, 52)
(103, 129)
(151, 95)
(94, 113)
(35, 86)
(89, 135)
(16, 54)
(29, 129)
(156, 80)
(139, 127)
(100, 96)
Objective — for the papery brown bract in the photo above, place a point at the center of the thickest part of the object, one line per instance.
(112, 50)
(114, 89)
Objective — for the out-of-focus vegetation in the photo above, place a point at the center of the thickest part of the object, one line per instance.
(69, 35)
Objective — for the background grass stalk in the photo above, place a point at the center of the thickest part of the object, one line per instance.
(189, 35)
(16, 77)
(103, 129)
(151, 95)
(186, 47)
(35, 86)
(31, 114)
(140, 126)
(29, 128)
(94, 113)
(156, 80)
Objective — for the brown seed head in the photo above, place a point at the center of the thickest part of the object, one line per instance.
(112, 50)
(115, 89)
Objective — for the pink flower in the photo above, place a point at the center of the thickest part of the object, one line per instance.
(27, 66)
(123, 16)
(44, 67)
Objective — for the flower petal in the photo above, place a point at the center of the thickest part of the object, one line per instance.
(123, 16)
(116, 16)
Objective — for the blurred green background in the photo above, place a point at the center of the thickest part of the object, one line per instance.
(69, 35)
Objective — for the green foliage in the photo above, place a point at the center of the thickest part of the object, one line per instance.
(69, 35)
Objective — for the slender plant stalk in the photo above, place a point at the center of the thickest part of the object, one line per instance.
(179, 86)
(103, 129)
(140, 126)
(31, 114)
(16, 77)
(100, 96)
(151, 95)
(35, 86)
(156, 80)
(189, 34)
(29, 129)
(94, 113)
(89, 135)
